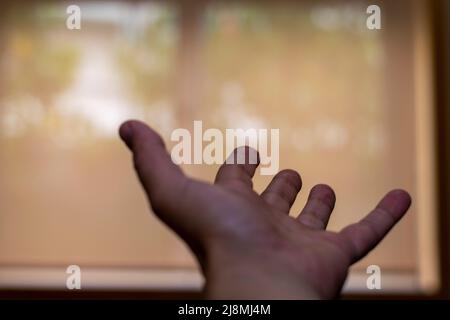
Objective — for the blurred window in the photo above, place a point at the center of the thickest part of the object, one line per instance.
(352, 105)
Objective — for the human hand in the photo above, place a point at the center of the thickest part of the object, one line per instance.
(247, 244)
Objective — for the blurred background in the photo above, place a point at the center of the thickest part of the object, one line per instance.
(356, 109)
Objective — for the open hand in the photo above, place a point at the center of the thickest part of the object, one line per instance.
(247, 244)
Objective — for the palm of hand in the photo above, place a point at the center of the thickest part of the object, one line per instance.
(245, 221)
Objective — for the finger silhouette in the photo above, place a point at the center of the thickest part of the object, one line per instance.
(238, 170)
(361, 237)
(318, 207)
(282, 190)
(157, 173)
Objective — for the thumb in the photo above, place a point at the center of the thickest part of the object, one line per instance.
(167, 187)
(160, 177)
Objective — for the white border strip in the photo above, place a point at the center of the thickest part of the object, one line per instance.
(108, 279)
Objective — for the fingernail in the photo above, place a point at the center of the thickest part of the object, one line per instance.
(126, 132)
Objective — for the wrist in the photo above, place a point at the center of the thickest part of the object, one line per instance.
(253, 274)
